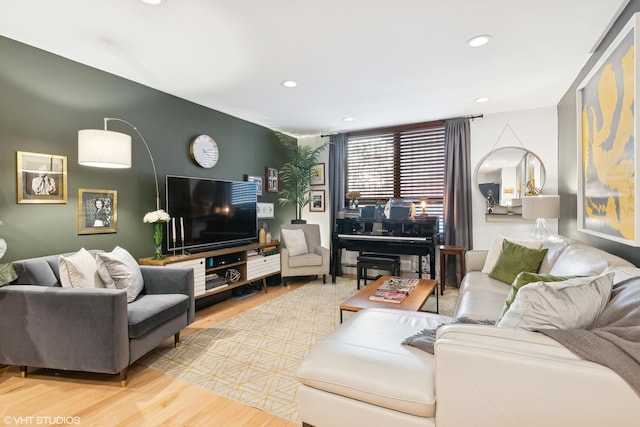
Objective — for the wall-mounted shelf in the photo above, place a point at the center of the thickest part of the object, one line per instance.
(504, 217)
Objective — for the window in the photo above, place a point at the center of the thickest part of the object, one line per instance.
(401, 162)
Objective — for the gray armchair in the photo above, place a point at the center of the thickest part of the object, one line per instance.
(94, 330)
(303, 258)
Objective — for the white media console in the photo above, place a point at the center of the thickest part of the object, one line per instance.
(224, 269)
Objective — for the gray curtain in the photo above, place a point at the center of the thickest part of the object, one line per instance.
(336, 173)
(458, 220)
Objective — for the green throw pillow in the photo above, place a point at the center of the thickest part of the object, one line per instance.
(525, 278)
(514, 259)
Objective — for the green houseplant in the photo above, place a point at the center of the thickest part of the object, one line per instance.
(295, 175)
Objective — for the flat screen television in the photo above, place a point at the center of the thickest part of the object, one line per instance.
(210, 213)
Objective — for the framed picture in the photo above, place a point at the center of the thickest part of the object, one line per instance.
(271, 175)
(97, 211)
(265, 210)
(317, 174)
(609, 179)
(317, 203)
(257, 180)
(42, 178)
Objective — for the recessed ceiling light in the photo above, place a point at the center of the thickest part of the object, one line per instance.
(289, 83)
(481, 99)
(348, 119)
(153, 2)
(478, 41)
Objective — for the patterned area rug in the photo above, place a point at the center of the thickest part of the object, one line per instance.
(252, 357)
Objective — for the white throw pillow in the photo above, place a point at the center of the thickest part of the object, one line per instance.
(571, 304)
(555, 245)
(295, 241)
(578, 261)
(623, 273)
(120, 270)
(496, 248)
(79, 271)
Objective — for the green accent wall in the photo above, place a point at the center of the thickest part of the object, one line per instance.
(45, 99)
(568, 153)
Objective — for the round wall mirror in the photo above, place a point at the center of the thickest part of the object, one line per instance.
(509, 173)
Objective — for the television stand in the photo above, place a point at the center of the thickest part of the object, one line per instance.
(224, 269)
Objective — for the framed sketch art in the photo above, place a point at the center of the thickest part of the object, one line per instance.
(317, 174)
(271, 175)
(41, 178)
(257, 180)
(607, 117)
(97, 211)
(317, 203)
(265, 210)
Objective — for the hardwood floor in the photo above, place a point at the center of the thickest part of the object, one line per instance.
(150, 398)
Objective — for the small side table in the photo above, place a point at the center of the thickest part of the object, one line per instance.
(450, 250)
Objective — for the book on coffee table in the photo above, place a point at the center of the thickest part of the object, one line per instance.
(385, 296)
(398, 284)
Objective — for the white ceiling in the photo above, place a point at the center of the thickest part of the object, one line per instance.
(381, 62)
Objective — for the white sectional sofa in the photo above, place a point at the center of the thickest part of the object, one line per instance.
(479, 375)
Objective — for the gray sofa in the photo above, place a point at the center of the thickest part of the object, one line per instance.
(95, 330)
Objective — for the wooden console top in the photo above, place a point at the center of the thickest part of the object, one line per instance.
(170, 259)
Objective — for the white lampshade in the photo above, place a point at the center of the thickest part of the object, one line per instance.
(534, 207)
(104, 149)
(539, 208)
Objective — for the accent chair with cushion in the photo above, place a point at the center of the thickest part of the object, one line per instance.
(91, 311)
(302, 253)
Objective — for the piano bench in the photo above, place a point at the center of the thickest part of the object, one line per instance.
(389, 263)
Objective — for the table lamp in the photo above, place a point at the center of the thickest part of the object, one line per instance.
(540, 208)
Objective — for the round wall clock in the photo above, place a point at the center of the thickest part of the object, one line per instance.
(204, 151)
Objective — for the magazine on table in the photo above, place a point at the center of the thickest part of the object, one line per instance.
(383, 296)
(399, 284)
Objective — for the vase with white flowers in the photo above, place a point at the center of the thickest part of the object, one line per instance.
(157, 218)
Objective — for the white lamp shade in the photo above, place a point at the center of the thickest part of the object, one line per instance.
(104, 149)
(534, 207)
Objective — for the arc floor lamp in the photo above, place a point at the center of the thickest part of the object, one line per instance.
(109, 149)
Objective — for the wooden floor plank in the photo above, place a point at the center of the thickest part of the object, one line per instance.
(151, 398)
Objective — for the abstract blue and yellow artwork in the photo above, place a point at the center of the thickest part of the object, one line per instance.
(607, 133)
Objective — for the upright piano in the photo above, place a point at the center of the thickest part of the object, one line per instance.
(392, 236)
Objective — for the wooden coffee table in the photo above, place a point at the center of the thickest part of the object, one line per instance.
(413, 302)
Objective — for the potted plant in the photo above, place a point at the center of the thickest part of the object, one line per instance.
(295, 175)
